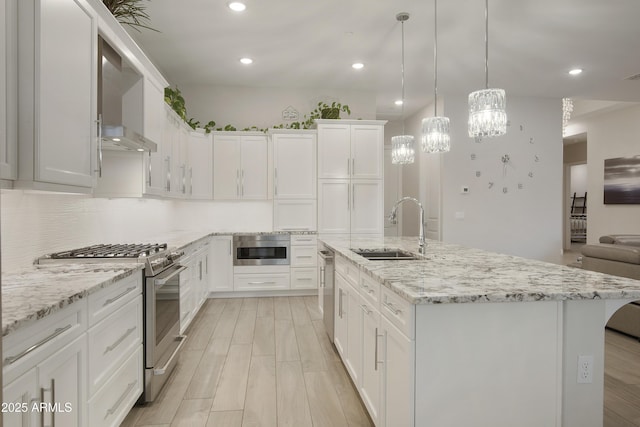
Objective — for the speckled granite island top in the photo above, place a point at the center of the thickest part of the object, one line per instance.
(36, 292)
(455, 274)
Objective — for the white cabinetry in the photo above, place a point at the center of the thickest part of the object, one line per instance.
(240, 166)
(199, 173)
(350, 172)
(154, 126)
(304, 261)
(221, 264)
(294, 180)
(341, 309)
(193, 281)
(57, 107)
(8, 90)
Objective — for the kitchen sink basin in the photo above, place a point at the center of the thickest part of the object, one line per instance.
(385, 254)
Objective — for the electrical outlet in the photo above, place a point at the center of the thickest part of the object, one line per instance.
(585, 369)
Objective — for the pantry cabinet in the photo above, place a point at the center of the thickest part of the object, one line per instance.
(240, 166)
(57, 107)
(350, 177)
(8, 90)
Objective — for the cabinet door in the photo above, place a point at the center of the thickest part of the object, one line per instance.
(334, 202)
(353, 361)
(334, 152)
(199, 172)
(294, 166)
(179, 159)
(8, 90)
(253, 170)
(62, 381)
(341, 304)
(371, 384)
(63, 132)
(226, 167)
(367, 216)
(154, 129)
(19, 396)
(398, 378)
(367, 151)
(221, 264)
(294, 215)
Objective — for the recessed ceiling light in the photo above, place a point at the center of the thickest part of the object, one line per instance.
(399, 102)
(575, 71)
(357, 65)
(246, 61)
(237, 6)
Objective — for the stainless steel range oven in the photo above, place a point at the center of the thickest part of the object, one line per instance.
(161, 294)
(261, 249)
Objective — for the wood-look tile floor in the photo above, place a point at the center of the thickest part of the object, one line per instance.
(256, 362)
(621, 380)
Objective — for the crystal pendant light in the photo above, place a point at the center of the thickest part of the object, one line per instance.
(435, 130)
(402, 146)
(487, 107)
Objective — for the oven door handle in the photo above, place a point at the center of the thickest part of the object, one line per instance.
(163, 370)
(164, 280)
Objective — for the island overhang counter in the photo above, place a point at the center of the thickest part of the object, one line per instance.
(492, 339)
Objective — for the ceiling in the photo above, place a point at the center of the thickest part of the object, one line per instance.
(312, 44)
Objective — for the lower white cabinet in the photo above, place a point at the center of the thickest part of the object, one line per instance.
(341, 305)
(261, 281)
(194, 282)
(19, 397)
(304, 261)
(221, 264)
(372, 366)
(353, 356)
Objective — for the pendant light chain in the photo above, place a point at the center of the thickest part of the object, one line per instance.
(402, 106)
(486, 44)
(435, 57)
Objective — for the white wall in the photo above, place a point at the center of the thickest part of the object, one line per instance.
(262, 107)
(578, 180)
(526, 222)
(614, 134)
(33, 224)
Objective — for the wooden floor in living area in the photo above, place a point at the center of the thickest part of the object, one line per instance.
(621, 380)
(256, 362)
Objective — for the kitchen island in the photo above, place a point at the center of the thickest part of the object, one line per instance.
(487, 339)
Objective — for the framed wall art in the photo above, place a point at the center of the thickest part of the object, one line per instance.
(622, 181)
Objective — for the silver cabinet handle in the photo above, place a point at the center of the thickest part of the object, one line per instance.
(340, 303)
(304, 256)
(306, 279)
(117, 297)
(184, 178)
(168, 163)
(149, 171)
(275, 179)
(237, 182)
(375, 360)
(99, 170)
(242, 183)
(392, 307)
(353, 165)
(295, 228)
(348, 167)
(322, 273)
(191, 180)
(118, 341)
(111, 410)
(12, 359)
(262, 283)
(53, 401)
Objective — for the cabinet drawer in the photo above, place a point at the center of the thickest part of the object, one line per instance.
(349, 271)
(370, 290)
(112, 340)
(260, 282)
(399, 311)
(112, 403)
(304, 256)
(304, 239)
(109, 299)
(304, 278)
(25, 348)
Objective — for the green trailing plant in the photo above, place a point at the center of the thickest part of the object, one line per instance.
(174, 98)
(130, 12)
(326, 111)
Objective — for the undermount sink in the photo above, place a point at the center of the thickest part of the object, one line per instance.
(385, 254)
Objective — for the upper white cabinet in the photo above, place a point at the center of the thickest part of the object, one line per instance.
(57, 58)
(199, 173)
(154, 126)
(294, 180)
(294, 166)
(8, 90)
(350, 149)
(240, 164)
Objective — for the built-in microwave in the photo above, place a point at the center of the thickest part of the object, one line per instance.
(261, 249)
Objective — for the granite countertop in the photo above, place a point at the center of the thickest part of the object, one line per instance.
(33, 293)
(455, 274)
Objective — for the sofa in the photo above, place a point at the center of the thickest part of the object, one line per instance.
(619, 255)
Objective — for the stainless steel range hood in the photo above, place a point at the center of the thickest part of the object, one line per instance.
(120, 103)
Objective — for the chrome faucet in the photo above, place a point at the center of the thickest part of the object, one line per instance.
(393, 220)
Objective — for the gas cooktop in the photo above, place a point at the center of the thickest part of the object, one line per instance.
(132, 250)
